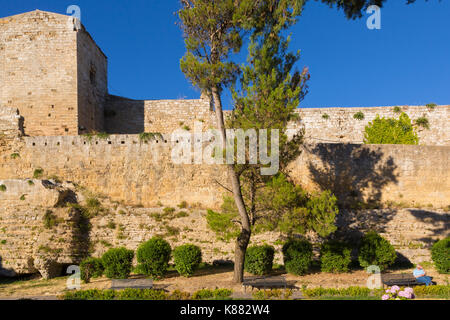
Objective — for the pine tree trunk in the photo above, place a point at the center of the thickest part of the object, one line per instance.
(244, 238)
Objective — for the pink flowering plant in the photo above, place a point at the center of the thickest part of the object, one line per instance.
(395, 293)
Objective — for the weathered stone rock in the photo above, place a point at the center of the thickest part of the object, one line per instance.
(48, 268)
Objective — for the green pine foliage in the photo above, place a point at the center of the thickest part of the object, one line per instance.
(269, 87)
(283, 207)
(222, 224)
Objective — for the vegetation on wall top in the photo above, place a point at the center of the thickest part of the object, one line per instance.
(431, 106)
(397, 109)
(359, 116)
(391, 131)
(422, 122)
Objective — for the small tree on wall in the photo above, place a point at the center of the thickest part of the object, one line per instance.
(391, 131)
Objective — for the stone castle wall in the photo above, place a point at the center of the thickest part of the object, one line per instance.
(127, 116)
(53, 72)
(29, 245)
(38, 72)
(129, 170)
(92, 83)
(341, 127)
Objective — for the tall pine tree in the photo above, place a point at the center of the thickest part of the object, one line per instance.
(213, 31)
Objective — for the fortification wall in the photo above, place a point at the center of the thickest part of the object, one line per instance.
(127, 116)
(30, 244)
(129, 170)
(122, 167)
(398, 174)
(38, 71)
(92, 83)
(342, 127)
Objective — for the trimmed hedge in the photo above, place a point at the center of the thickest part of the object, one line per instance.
(187, 258)
(154, 256)
(442, 292)
(147, 294)
(297, 255)
(344, 292)
(374, 250)
(335, 257)
(259, 260)
(118, 263)
(91, 268)
(216, 294)
(273, 294)
(126, 294)
(440, 253)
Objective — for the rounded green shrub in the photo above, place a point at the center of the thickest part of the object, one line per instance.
(91, 268)
(391, 131)
(153, 257)
(118, 263)
(335, 257)
(440, 253)
(187, 258)
(259, 260)
(374, 250)
(297, 255)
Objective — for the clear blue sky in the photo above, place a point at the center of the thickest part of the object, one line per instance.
(407, 62)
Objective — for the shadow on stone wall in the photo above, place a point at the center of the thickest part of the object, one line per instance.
(81, 235)
(124, 116)
(357, 176)
(354, 173)
(435, 219)
(7, 273)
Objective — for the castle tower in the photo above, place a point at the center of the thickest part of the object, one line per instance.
(53, 72)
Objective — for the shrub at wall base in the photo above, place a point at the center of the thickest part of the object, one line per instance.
(118, 263)
(259, 260)
(297, 255)
(153, 257)
(374, 250)
(187, 258)
(440, 253)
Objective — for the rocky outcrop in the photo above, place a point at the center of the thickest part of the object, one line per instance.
(38, 230)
